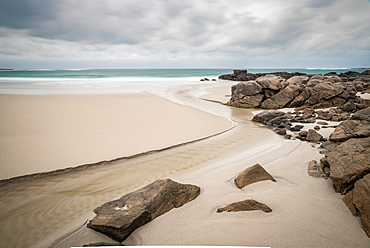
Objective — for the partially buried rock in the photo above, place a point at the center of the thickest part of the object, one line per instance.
(247, 205)
(251, 175)
(118, 219)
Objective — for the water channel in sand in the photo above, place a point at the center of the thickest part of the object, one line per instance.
(44, 212)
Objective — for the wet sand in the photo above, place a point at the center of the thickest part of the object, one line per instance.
(306, 211)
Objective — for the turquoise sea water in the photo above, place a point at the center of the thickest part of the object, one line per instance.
(167, 73)
(77, 81)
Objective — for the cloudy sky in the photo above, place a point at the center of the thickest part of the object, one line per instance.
(184, 34)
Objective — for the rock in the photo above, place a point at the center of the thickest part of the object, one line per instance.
(348, 162)
(313, 136)
(270, 82)
(246, 95)
(287, 136)
(362, 115)
(317, 128)
(246, 101)
(322, 123)
(314, 170)
(326, 90)
(350, 129)
(249, 88)
(281, 131)
(358, 201)
(296, 128)
(247, 205)
(119, 218)
(251, 175)
(266, 116)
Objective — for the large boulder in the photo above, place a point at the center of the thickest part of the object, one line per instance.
(119, 218)
(251, 175)
(247, 205)
(348, 162)
(358, 201)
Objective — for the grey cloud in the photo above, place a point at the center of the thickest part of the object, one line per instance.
(175, 30)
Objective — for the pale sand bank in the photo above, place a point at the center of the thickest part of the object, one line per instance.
(40, 133)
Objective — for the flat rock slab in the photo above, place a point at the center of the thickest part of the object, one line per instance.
(251, 175)
(247, 205)
(119, 218)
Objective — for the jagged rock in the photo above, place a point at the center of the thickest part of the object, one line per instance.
(348, 162)
(313, 136)
(119, 218)
(266, 116)
(358, 201)
(251, 175)
(247, 205)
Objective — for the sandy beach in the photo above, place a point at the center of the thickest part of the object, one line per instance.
(306, 211)
(40, 133)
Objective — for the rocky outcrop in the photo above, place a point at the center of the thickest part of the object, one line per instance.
(280, 90)
(358, 201)
(119, 218)
(247, 205)
(251, 175)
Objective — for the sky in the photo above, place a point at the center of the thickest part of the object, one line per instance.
(184, 34)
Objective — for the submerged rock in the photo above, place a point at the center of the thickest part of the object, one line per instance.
(119, 218)
(251, 175)
(247, 205)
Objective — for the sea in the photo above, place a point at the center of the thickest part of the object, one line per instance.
(85, 81)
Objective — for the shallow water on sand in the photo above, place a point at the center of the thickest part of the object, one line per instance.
(43, 213)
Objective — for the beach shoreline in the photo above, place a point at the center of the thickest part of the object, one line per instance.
(303, 207)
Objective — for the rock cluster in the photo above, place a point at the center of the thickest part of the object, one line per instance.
(347, 151)
(280, 90)
(119, 218)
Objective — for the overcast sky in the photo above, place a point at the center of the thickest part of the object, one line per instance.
(184, 34)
